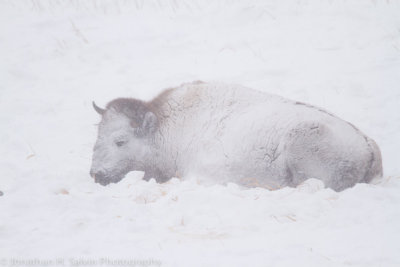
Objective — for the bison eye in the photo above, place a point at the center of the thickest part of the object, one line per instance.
(120, 143)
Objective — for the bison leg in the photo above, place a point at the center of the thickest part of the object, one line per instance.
(338, 155)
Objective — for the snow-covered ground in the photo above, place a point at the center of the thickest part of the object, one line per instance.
(58, 56)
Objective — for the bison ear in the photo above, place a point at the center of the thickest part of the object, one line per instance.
(150, 123)
(98, 109)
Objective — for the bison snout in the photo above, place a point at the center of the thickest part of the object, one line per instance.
(100, 178)
(105, 179)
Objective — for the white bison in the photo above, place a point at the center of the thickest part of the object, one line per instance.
(230, 134)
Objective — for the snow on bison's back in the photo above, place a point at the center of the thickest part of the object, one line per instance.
(230, 134)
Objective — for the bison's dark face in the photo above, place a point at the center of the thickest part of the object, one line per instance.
(124, 141)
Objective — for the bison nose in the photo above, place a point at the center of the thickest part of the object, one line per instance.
(100, 178)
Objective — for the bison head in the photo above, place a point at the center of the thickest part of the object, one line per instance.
(124, 141)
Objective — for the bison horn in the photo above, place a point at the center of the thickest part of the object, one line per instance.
(98, 109)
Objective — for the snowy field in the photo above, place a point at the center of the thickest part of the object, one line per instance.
(58, 56)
